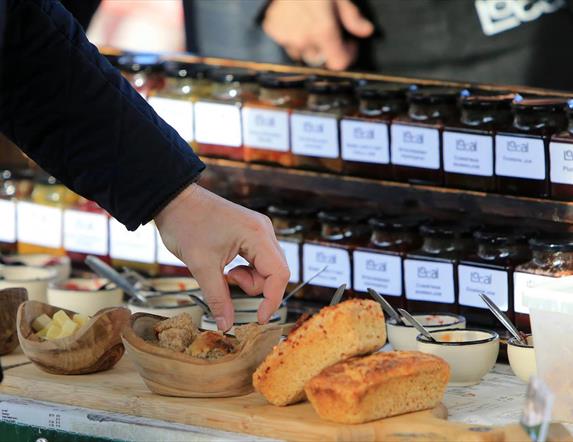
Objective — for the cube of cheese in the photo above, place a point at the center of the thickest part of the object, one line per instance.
(60, 317)
(68, 328)
(54, 331)
(41, 322)
(43, 333)
(80, 319)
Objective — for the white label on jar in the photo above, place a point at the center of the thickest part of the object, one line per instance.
(86, 232)
(138, 246)
(429, 281)
(39, 225)
(177, 113)
(561, 162)
(379, 271)
(218, 124)
(8, 221)
(266, 129)
(366, 142)
(236, 262)
(520, 157)
(164, 256)
(415, 146)
(314, 136)
(315, 258)
(523, 282)
(475, 280)
(468, 153)
(292, 255)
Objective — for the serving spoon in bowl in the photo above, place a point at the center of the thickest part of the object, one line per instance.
(502, 317)
(386, 306)
(417, 325)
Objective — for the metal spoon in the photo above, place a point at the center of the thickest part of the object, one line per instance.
(417, 325)
(301, 285)
(502, 318)
(338, 294)
(385, 306)
(190, 293)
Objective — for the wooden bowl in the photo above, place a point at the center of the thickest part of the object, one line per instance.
(169, 373)
(10, 300)
(96, 346)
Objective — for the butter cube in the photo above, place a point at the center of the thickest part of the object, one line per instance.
(53, 331)
(60, 317)
(68, 328)
(80, 319)
(41, 322)
(42, 334)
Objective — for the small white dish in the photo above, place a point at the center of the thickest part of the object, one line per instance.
(208, 323)
(34, 279)
(403, 336)
(82, 295)
(522, 358)
(246, 309)
(61, 264)
(168, 306)
(173, 284)
(470, 353)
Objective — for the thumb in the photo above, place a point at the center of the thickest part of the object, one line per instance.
(352, 20)
(216, 293)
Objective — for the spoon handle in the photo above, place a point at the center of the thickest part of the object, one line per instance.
(502, 317)
(416, 324)
(338, 294)
(301, 285)
(385, 305)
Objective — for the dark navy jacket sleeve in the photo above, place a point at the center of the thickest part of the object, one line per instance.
(64, 105)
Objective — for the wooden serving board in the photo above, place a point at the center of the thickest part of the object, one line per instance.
(121, 390)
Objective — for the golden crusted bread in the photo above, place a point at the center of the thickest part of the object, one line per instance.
(380, 385)
(335, 333)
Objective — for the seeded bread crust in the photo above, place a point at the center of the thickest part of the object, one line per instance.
(373, 387)
(351, 328)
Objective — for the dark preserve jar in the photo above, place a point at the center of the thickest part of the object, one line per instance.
(377, 261)
(365, 133)
(468, 145)
(521, 152)
(430, 272)
(561, 161)
(416, 138)
(490, 271)
(266, 119)
(552, 260)
(315, 140)
(143, 71)
(332, 246)
(218, 125)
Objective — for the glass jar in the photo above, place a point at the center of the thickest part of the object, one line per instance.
(521, 152)
(430, 272)
(561, 161)
(377, 261)
(143, 71)
(416, 138)
(266, 120)
(315, 139)
(365, 134)
(468, 145)
(230, 89)
(185, 83)
(490, 271)
(552, 259)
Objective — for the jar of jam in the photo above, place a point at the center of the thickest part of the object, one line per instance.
(416, 138)
(490, 271)
(561, 161)
(315, 140)
(365, 134)
(430, 272)
(143, 71)
(377, 262)
(468, 145)
(184, 84)
(552, 259)
(332, 247)
(230, 89)
(521, 152)
(266, 120)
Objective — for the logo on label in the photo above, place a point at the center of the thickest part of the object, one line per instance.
(323, 258)
(261, 120)
(375, 266)
(480, 279)
(425, 273)
(411, 138)
(470, 146)
(514, 146)
(530, 284)
(568, 155)
(313, 128)
(363, 134)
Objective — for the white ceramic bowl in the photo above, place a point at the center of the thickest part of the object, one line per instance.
(173, 284)
(522, 358)
(82, 295)
(169, 305)
(61, 264)
(246, 309)
(403, 337)
(470, 353)
(34, 279)
(208, 323)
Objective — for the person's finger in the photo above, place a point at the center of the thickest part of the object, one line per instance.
(293, 52)
(337, 54)
(352, 20)
(248, 279)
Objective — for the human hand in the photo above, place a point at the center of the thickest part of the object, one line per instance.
(206, 232)
(312, 30)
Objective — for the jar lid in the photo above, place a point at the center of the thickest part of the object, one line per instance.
(501, 235)
(5, 174)
(486, 100)
(404, 223)
(447, 229)
(344, 216)
(542, 104)
(274, 80)
(559, 242)
(383, 91)
(434, 95)
(140, 62)
(330, 86)
(291, 210)
(232, 75)
(47, 180)
(179, 69)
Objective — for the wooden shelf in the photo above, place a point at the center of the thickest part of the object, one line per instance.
(390, 192)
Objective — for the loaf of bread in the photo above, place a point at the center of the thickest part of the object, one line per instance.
(366, 388)
(351, 328)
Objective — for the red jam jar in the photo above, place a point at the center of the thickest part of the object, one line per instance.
(218, 124)
(416, 138)
(143, 71)
(468, 145)
(561, 161)
(521, 152)
(365, 134)
(315, 140)
(266, 120)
